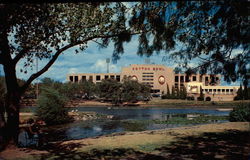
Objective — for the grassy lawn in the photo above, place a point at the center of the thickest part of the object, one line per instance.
(211, 141)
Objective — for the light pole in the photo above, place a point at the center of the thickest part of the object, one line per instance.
(108, 61)
(37, 78)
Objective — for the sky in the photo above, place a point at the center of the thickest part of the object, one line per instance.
(93, 60)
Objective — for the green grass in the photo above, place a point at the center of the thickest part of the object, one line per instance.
(195, 120)
(179, 102)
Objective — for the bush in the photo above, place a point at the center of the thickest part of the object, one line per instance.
(190, 98)
(200, 98)
(51, 107)
(240, 113)
(164, 96)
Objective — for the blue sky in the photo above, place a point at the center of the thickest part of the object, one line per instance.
(93, 60)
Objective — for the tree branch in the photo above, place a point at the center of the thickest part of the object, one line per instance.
(55, 56)
(20, 55)
(1, 58)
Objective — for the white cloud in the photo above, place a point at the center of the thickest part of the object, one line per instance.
(235, 52)
(100, 66)
(73, 70)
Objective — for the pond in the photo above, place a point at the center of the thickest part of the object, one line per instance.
(132, 119)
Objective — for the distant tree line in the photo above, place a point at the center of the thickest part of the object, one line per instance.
(107, 90)
(129, 91)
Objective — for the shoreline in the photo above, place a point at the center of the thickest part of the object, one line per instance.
(172, 103)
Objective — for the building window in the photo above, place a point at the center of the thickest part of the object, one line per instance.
(76, 78)
(206, 90)
(106, 77)
(154, 90)
(187, 78)
(223, 90)
(214, 90)
(91, 78)
(71, 78)
(176, 85)
(182, 78)
(147, 79)
(227, 90)
(201, 78)
(194, 78)
(118, 78)
(83, 78)
(112, 77)
(147, 76)
(98, 77)
(218, 90)
(206, 78)
(176, 78)
(231, 90)
(210, 90)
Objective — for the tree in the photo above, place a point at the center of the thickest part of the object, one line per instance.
(132, 91)
(47, 82)
(168, 91)
(183, 93)
(208, 30)
(88, 87)
(173, 95)
(177, 93)
(51, 107)
(110, 89)
(145, 91)
(240, 113)
(240, 94)
(201, 97)
(30, 31)
(246, 92)
(167, 95)
(216, 33)
(127, 91)
(2, 98)
(70, 90)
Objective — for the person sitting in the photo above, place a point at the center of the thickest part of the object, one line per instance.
(35, 131)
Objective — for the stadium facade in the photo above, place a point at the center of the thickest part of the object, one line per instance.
(158, 77)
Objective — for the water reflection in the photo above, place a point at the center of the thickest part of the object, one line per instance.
(124, 119)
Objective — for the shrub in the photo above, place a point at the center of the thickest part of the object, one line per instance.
(200, 98)
(240, 113)
(208, 98)
(164, 96)
(51, 107)
(190, 98)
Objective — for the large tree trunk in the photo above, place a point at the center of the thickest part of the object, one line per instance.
(12, 126)
(2, 125)
(12, 104)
